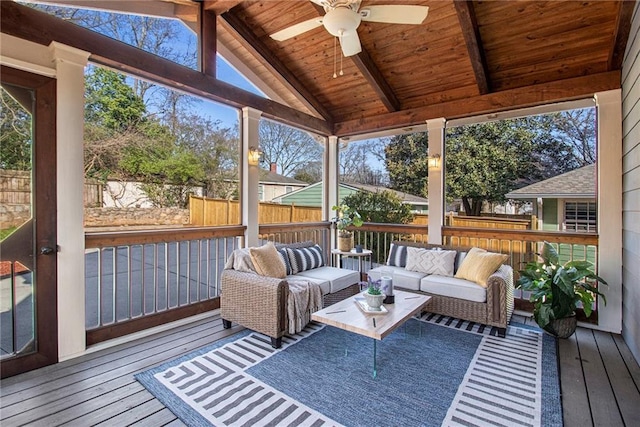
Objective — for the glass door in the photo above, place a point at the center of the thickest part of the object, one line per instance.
(28, 332)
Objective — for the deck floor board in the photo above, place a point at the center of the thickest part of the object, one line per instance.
(597, 372)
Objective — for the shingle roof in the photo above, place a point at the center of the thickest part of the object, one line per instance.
(274, 178)
(576, 184)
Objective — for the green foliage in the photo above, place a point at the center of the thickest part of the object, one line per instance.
(486, 161)
(381, 206)
(372, 286)
(557, 289)
(15, 133)
(110, 102)
(346, 217)
(406, 159)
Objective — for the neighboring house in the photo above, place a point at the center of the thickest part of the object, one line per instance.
(565, 202)
(312, 196)
(272, 185)
(123, 194)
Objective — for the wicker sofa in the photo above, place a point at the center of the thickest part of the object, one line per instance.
(453, 296)
(259, 303)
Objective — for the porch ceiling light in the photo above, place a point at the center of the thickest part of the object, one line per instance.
(434, 161)
(254, 156)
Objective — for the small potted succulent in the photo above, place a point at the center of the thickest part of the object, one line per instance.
(556, 290)
(345, 218)
(373, 295)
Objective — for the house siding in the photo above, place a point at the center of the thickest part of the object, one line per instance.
(631, 189)
(550, 215)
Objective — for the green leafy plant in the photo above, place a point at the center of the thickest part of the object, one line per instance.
(346, 217)
(372, 287)
(557, 289)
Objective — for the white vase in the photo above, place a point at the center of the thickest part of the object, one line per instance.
(374, 301)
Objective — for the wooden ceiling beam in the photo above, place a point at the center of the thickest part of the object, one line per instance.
(208, 42)
(621, 34)
(376, 80)
(258, 49)
(41, 28)
(544, 93)
(471, 33)
(220, 6)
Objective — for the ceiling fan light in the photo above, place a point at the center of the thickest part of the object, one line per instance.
(341, 21)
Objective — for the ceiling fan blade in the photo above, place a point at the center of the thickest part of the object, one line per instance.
(350, 44)
(297, 29)
(395, 14)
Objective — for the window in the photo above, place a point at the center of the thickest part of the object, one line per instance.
(580, 216)
(261, 192)
(288, 189)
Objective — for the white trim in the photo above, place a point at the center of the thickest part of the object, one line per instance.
(522, 112)
(26, 56)
(609, 171)
(437, 205)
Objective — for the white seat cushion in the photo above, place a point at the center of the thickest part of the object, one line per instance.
(325, 285)
(401, 277)
(453, 287)
(339, 278)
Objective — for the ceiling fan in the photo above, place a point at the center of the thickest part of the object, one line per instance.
(343, 17)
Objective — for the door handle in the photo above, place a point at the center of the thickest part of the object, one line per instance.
(46, 250)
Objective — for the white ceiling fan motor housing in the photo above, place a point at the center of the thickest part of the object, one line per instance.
(341, 21)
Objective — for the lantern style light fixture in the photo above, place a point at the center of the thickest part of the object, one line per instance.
(254, 156)
(434, 161)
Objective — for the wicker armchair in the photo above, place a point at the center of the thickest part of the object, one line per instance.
(256, 302)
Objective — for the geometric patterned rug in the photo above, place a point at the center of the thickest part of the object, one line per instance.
(436, 371)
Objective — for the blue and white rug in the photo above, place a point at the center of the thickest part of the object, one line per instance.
(431, 372)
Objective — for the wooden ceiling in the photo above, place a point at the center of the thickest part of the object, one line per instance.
(467, 58)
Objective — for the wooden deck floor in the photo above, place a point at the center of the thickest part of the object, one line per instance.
(599, 378)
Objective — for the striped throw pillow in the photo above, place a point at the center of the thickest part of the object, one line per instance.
(285, 258)
(397, 255)
(303, 259)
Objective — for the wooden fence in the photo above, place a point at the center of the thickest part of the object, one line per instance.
(211, 212)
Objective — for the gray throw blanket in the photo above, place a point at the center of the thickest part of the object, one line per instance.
(304, 298)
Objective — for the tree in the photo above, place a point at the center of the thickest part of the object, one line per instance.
(486, 161)
(381, 206)
(15, 133)
(291, 149)
(110, 102)
(576, 129)
(354, 163)
(216, 150)
(406, 161)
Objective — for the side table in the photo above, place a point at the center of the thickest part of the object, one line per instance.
(338, 255)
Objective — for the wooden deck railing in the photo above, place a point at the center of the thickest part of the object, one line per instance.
(138, 279)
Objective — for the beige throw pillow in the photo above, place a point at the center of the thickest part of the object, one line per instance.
(430, 261)
(267, 261)
(479, 264)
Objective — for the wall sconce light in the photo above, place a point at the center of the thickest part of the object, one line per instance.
(254, 156)
(434, 161)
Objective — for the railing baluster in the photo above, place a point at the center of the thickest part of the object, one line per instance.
(129, 278)
(114, 290)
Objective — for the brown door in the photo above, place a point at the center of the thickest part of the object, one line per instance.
(28, 287)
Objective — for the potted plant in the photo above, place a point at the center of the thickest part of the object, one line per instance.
(557, 289)
(346, 217)
(373, 294)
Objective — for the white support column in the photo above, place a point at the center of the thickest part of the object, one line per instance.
(331, 182)
(69, 63)
(250, 176)
(609, 108)
(435, 129)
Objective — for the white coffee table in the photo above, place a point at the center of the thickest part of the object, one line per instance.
(348, 316)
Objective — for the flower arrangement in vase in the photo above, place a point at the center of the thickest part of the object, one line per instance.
(373, 294)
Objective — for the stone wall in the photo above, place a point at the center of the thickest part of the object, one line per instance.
(118, 217)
